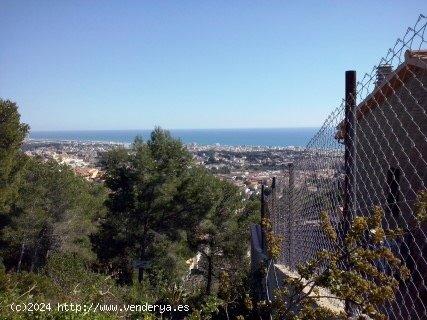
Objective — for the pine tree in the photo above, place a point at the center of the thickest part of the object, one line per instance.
(54, 210)
(145, 206)
(12, 134)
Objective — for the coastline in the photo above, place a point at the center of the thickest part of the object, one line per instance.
(275, 138)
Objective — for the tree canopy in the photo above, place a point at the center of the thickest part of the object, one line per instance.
(158, 218)
(12, 134)
(55, 211)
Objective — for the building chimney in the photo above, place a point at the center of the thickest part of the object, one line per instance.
(383, 70)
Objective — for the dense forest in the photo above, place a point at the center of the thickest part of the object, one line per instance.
(159, 230)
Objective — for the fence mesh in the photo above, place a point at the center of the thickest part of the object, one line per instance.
(386, 167)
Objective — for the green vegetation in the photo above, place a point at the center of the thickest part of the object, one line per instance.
(162, 230)
(55, 211)
(12, 133)
(129, 240)
(360, 272)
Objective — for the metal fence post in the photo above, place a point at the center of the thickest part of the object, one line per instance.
(262, 216)
(273, 212)
(349, 142)
(349, 161)
(290, 215)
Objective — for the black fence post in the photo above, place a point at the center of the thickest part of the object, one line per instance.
(262, 217)
(289, 230)
(273, 212)
(349, 142)
(349, 161)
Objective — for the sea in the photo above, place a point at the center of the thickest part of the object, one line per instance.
(272, 137)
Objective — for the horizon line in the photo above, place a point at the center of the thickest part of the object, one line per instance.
(177, 129)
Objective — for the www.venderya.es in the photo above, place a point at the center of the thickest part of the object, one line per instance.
(95, 307)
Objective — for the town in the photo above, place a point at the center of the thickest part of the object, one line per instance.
(245, 166)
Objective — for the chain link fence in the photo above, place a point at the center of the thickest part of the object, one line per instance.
(370, 151)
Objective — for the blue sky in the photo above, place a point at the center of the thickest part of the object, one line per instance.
(189, 64)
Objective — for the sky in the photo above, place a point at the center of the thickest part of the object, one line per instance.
(104, 65)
